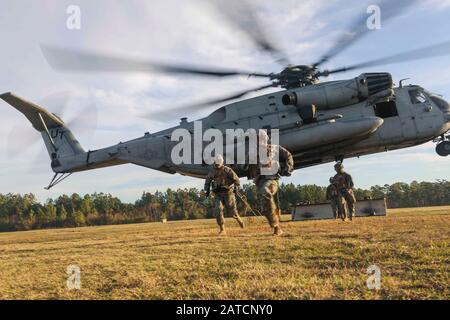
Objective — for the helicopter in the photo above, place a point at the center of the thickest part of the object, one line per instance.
(318, 122)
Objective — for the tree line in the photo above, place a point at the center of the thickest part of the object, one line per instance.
(25, 212)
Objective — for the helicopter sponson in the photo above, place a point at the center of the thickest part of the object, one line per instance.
(337, 94)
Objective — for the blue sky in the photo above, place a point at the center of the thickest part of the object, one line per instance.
(189, 31)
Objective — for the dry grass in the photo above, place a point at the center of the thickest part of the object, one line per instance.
(186, 260)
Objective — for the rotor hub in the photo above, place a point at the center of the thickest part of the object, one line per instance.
(297, 76)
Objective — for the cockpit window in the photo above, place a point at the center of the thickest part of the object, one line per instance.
(441, 103)
(417, 96)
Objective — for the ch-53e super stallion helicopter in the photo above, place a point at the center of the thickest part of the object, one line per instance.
(318, 122)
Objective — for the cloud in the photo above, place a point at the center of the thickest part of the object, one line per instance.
(437, 4)
(178, 31)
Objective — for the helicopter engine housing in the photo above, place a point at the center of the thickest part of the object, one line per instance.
(339, 94)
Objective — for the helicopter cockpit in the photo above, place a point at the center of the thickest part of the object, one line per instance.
(420, 95)
(441, 103)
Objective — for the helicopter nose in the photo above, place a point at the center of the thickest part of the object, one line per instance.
(447, 116)
(447, 112)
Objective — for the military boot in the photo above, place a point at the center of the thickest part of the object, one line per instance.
(222, 231)
(240, 222)
(277, 231)
(351, 216)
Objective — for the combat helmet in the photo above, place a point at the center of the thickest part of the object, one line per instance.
(219, 161)
(338, 166)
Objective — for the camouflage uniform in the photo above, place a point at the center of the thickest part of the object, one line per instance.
(224, 181)
(266, 190)
(345, 187)
(335, 200)
(267, 185)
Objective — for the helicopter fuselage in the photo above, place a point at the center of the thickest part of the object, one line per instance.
(411, 117)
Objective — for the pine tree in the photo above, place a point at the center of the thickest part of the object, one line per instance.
(78, 219)
(62, 216)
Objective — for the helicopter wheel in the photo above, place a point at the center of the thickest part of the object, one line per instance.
(443, 148)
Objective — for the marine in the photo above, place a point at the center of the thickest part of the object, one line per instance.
(266, 179)
(224, 183)
(345, 187)
(335, 199)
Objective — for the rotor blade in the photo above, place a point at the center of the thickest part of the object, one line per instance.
(170, 113)
(85, 121)
(74, 60)
(424, 53)
(56, 103)
(388, 9)
(233, 97)
(241, 14)
(21, 139)
(40, 162)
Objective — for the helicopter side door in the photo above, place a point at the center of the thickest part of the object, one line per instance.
(390, 131)
(406, 113)
(425, 117)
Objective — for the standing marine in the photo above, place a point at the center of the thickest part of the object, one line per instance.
(224, 183)
(266, 178)
(335, 199)
(345, 186)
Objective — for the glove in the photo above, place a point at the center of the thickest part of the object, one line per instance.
(287, 174)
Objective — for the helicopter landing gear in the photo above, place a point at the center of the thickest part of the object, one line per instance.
(443, 145)
(443, 148)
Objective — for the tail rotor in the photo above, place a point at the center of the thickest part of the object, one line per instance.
(23, 142)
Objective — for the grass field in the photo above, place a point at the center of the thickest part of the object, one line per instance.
(186, 260)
